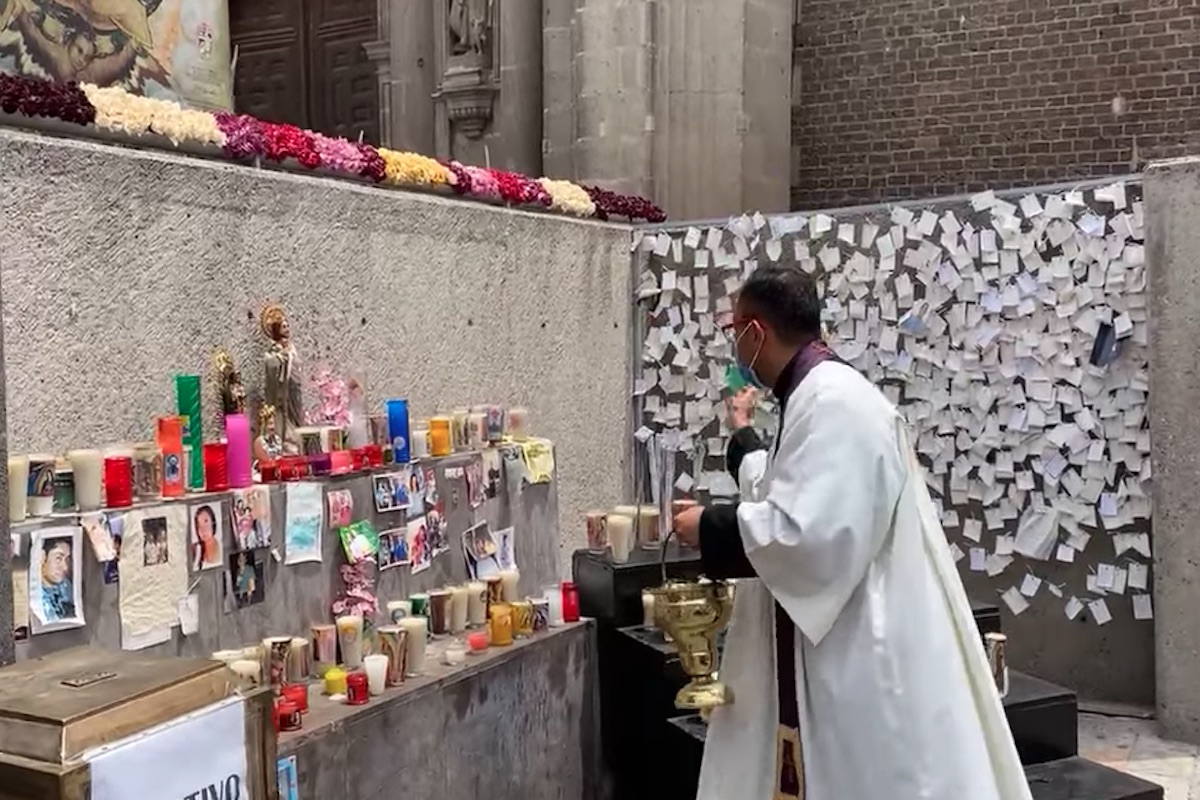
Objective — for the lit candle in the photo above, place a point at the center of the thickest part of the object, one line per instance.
(509, 578)
(249, 673)
(237, 439)
(554, 599)
(87, 466)
(417, 633)
(620, 536)
(478, 642)
(477, 603)
(419, 446)
(40, 486)
(18, 487)
(647, 610)
(648, 530)
(376, 667)
(454, 656)
(324, 647)
(350, 629)
(459, 600)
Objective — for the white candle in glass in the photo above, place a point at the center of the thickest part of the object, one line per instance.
(459, 601)
(620, 536)
(418, 632)
(554, 599)
(350, 635)
(39, 503)
(647, 610)
(477, 603)
(249, 673)
(376, 667)
(398, 610)
(88, 466)
(648, 528)
(454, 656)
(509, 579)
(18, 488)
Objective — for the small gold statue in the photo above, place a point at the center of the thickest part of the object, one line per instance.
(267, 446)
(281, 385)
(233, 392)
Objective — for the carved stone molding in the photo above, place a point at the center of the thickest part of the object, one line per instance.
(467, 54)
(379, 53)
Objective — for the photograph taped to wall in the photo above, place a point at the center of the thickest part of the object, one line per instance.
(981, 320)
(55, 579)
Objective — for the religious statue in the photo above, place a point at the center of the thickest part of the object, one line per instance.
(469, 22)
(233, 392)
(281, 387)
(267, 446)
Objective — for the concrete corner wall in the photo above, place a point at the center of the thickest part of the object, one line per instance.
(1172, 194)
(123, 267)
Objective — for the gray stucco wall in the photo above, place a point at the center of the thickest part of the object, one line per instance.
(1173, 253)
(124, 267)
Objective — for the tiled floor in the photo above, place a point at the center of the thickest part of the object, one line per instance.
(1132, 746)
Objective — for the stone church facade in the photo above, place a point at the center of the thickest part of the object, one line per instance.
(714, 107)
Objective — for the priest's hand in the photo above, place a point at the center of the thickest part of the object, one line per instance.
(739, 409)
(687, 526)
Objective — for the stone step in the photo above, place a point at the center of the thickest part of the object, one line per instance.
(1043, 718)
(1071, 778)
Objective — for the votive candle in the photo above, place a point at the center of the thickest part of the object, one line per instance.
(324, 647)
(439, 436)
(18, 487)
(647, 610)
(249, 673)
(237, 438)
(418, 632)
(439, 612)
(419, 443)
(335, 681)
(170, 442)
(398, 610)
(118, 481)
(553, 596)
(88, 466)
(502, 624)
(518, 424)
(477, 603)
(299, 665)
(147, 471)
(454, 656)
(397, 414)
(509, 578)
(187, 394)
(478, 641)
(459, 600)
(648, 528)
(350, 635)
(297, 693)
(376, 667)
(620, 536)
(40, 486)
(216, 467)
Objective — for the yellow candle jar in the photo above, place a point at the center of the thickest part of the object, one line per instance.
(502, 624)
(522, 618)
(335, 681)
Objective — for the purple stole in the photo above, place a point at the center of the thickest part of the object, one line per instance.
(789, 755)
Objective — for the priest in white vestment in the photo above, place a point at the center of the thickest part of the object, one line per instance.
(851, 593)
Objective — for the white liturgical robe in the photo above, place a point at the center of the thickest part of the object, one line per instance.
(896, 700)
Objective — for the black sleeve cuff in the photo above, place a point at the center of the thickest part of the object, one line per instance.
(744, 440)
(721, 551)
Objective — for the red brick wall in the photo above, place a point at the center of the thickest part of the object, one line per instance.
(910, 98)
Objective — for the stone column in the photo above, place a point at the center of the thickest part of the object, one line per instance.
(7, 653)
(686, 101)
(1172, 195)
(403, 58)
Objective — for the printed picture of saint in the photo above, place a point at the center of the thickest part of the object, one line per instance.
(105, 42)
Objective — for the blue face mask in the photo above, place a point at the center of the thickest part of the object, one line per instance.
(744, 372)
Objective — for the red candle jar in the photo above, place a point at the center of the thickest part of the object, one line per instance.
(216, 466)
(477, 641)
(361, 459)
(570, 602)
(356, 689)
(292, 468)
(289, 715)
(298, 694)
(341, 462)
(118, 482)
(374, 455)
(268, 471)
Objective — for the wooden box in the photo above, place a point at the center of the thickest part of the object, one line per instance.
(56, 708)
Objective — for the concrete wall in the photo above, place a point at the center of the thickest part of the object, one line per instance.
(1173, 251)
(123, 267)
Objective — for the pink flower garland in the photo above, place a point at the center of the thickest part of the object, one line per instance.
(482, 182)
(243, 135)
(518, 189)
(287, 141)
(338, 154)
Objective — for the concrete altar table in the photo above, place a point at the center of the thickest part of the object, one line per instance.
(514, 723)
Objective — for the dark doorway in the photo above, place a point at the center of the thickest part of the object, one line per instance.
(303, 62)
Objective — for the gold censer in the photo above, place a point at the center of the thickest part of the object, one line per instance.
(693, 614)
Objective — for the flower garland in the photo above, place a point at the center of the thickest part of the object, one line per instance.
(118, 110)
(569, 198)
(413, 169)
(34, 97)
(242, 137)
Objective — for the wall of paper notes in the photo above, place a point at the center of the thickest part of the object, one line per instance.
(1009, 329)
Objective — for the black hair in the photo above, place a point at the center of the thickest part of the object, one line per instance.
(211, 515)
(786, 299)
(53, 542)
